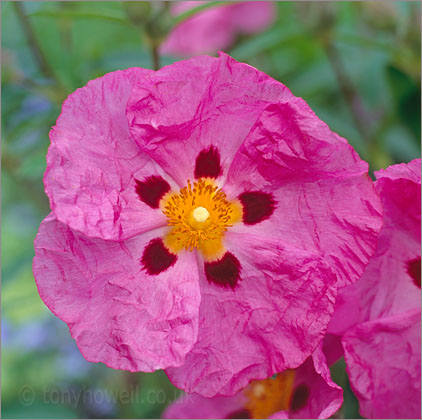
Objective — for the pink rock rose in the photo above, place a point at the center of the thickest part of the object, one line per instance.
(383, 359)
(216, 28)
(381, 313)
(202, 220)
(306, 392)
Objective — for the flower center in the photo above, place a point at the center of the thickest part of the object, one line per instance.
(199, 215)
(264, 398)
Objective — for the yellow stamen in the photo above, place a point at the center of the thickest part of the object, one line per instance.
(199, 215)
(264, 398)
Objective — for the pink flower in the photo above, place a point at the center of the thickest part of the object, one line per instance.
(203, 218)
(306, 392)
(380, 314)
(216, 28)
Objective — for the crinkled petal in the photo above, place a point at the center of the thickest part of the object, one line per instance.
(321, 400)
(325, 396)
(186, 107)
(92, 162)
(387, 287)
(383, 360)
(117, 314)
(326, 202)
(271, 321)
(410, 171)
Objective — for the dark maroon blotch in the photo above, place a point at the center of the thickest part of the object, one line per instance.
(156, 257)
(223, 272)
(257, 206)
(239, 414)
(299, 398)
(208, 163)
(414, 271)
(152, 189)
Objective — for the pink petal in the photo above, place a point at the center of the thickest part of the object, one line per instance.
(411, 171)
(280, 415)
(185, 108)
(326, 202)
(252, 16)
(332, 348)
(205, 33)
(117, 313)
(383, 359)
(272, 321)
(215, 29)
(386, 287)
(92, 162)
(325, 396)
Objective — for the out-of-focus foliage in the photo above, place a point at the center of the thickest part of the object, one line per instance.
(357, 64)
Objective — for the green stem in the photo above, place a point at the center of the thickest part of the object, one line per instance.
(113, 16)
(65, 25)
(155, 57)
(34, 45)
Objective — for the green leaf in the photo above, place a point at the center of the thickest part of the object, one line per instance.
(407, 97)
(39, 410)
(33, 166)
(399, 142)
(276, 37)
(112, 16)
(20, 299)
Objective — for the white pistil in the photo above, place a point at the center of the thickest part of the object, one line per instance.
(200, 214)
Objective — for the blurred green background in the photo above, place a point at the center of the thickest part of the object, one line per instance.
(357, 64)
